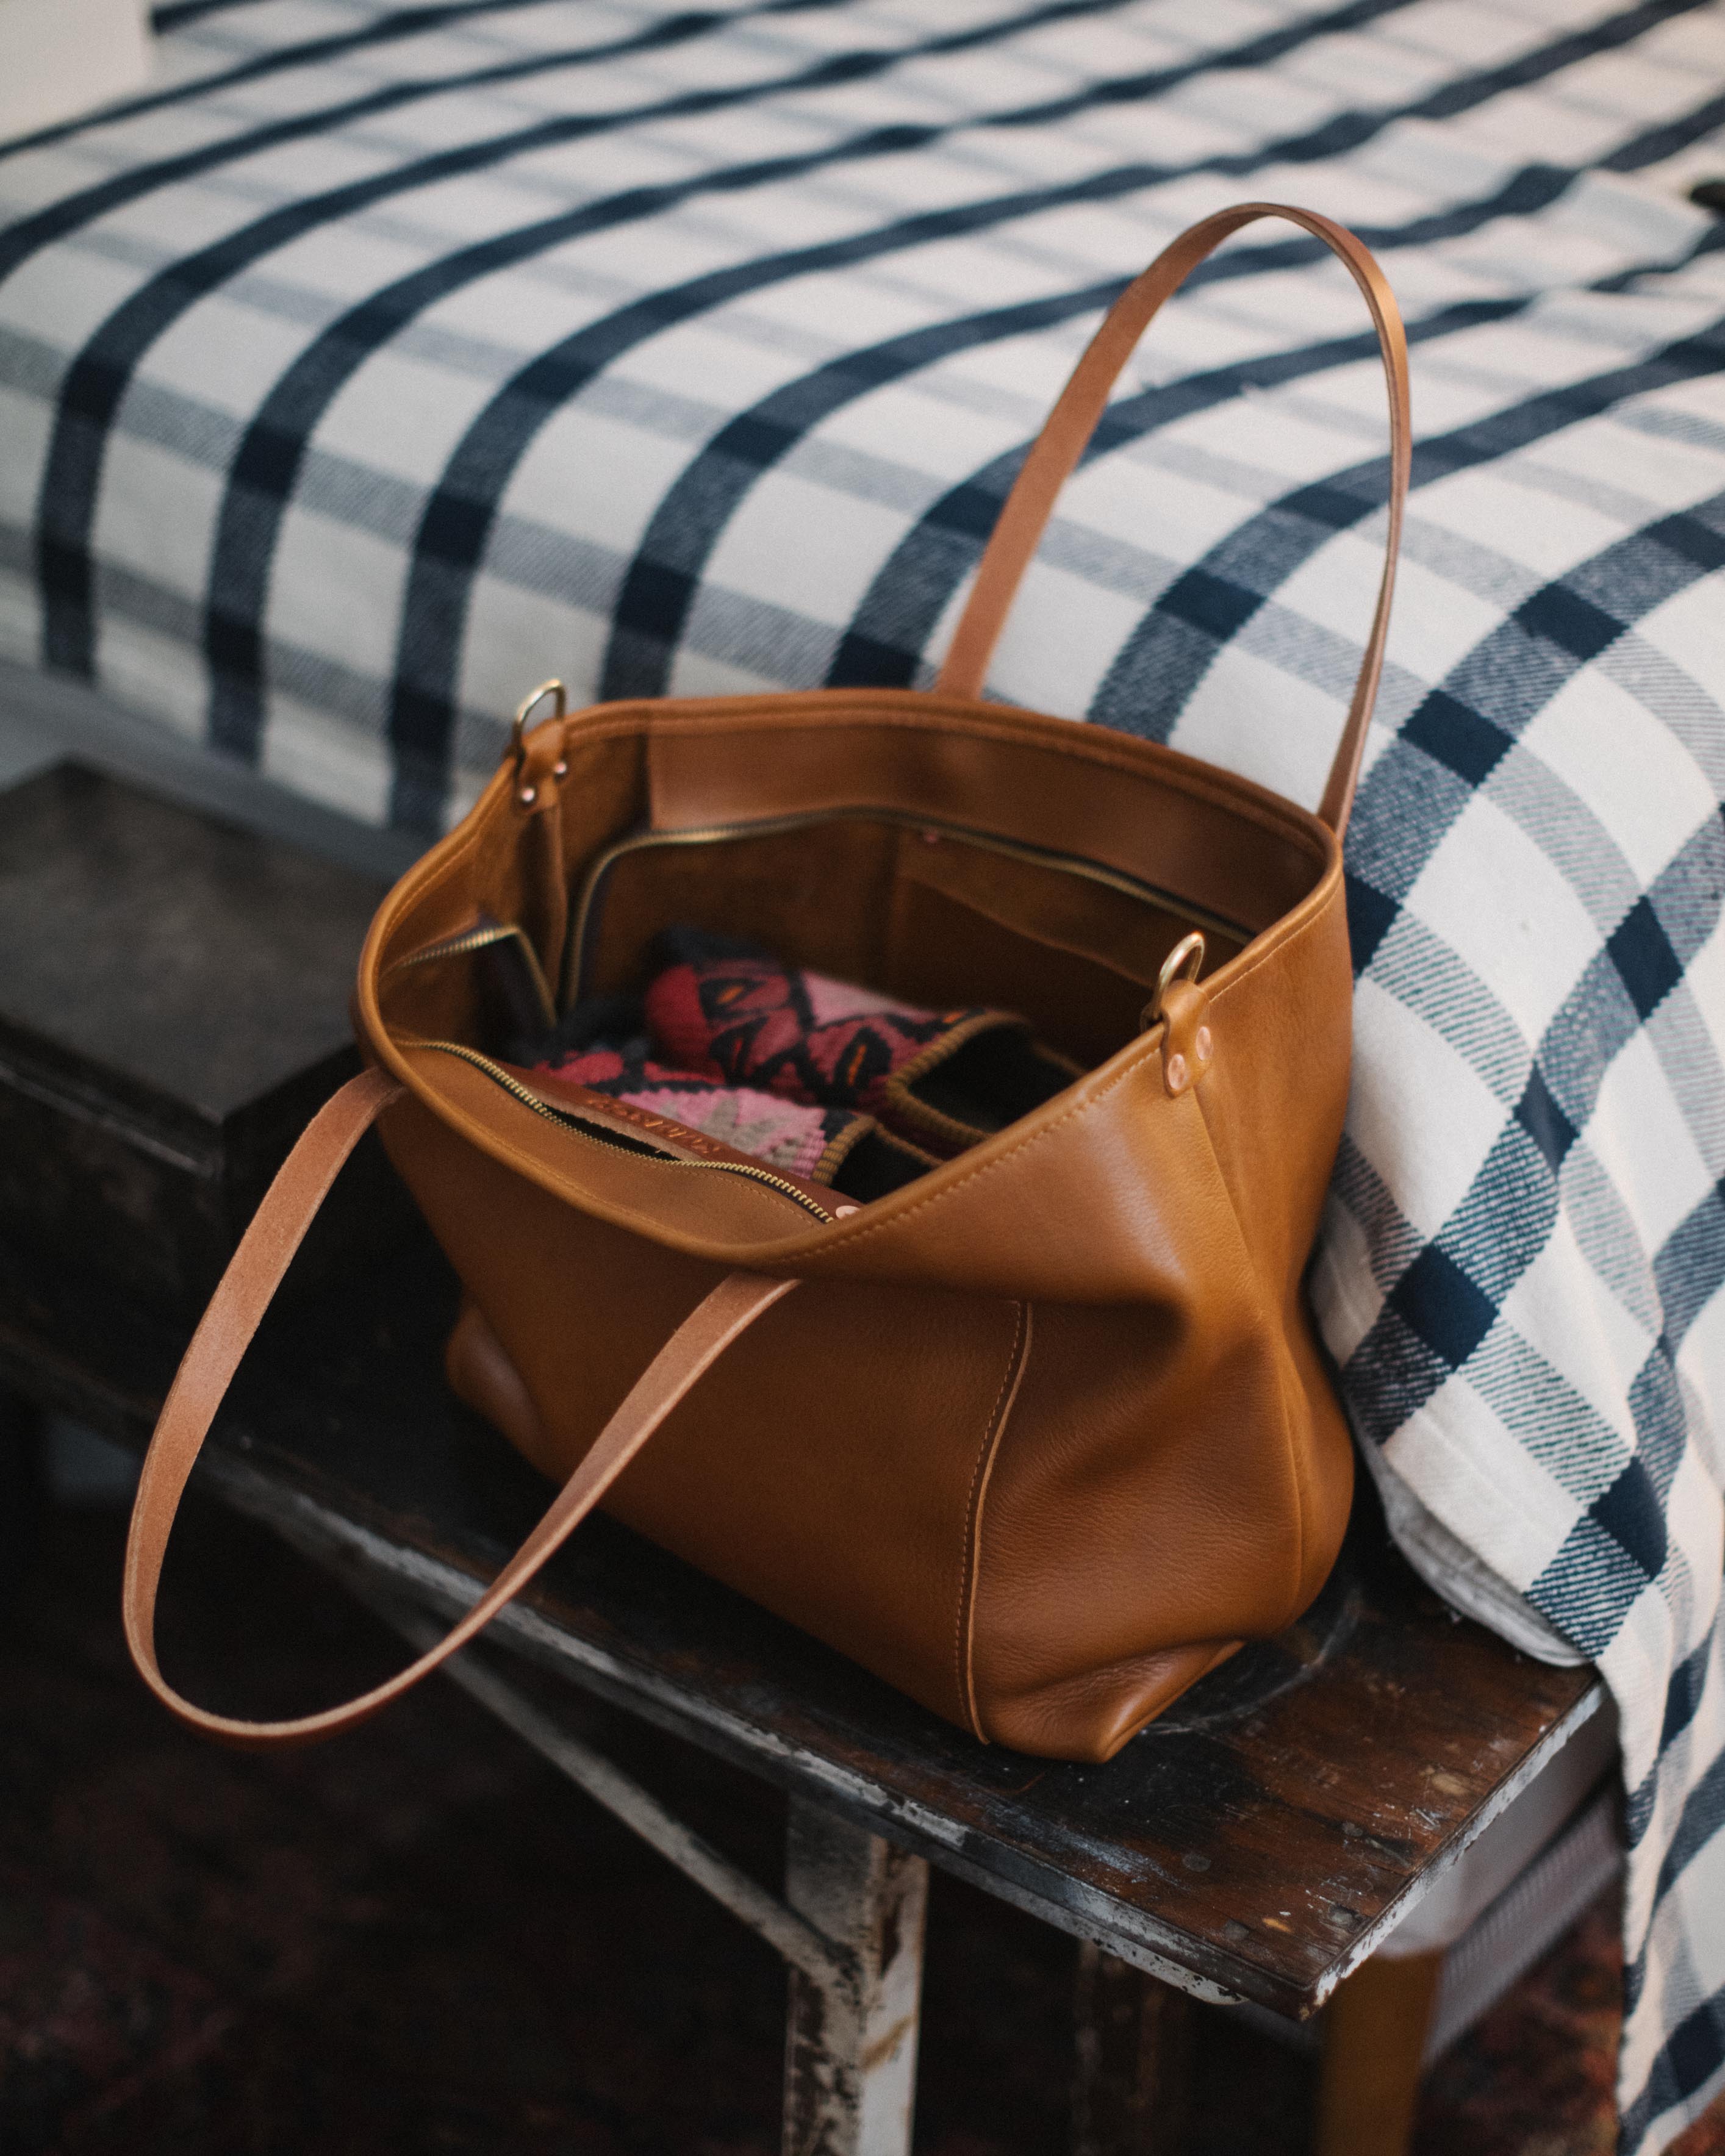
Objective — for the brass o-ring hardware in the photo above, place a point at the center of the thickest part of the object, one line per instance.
(1186, 957)
(518, 734)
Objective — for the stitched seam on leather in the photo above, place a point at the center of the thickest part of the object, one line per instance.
(964, 1623)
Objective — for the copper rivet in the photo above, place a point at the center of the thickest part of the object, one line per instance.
(1176, 1074)
(560, 769)
(527, 796)
(930, 838)
(845, 1212)
(1203, 1044)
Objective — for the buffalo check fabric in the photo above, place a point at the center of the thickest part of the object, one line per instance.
(377, 361)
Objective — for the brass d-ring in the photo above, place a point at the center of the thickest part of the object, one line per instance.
(1186, 957)
(518, 738)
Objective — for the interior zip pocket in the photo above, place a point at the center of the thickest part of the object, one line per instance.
(584, 919)
(641, 1148)
(514, 974)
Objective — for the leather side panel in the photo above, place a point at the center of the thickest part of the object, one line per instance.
(1274, 1101)
(1276, 1093)
(824, 1467)
(1144, 1501)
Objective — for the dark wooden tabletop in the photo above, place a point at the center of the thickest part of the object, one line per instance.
(1253, 1843)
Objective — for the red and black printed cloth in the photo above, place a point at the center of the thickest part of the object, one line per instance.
(830, 1082)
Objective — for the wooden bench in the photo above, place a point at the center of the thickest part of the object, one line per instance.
(1254, 1846)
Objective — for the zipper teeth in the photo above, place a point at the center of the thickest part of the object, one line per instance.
(484, 939)
(575, 949)
(578, 1129)
(458, 947)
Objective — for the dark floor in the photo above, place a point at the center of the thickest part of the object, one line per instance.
(419, 1939)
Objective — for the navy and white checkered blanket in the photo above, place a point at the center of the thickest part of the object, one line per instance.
(378, 362)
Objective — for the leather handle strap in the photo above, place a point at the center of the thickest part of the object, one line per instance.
(1057, 448)
(226, 1330)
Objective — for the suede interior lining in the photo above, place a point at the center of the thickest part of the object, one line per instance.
(928, 916)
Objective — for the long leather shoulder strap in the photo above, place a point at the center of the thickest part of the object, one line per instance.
(1057, 448)
(232, 1318)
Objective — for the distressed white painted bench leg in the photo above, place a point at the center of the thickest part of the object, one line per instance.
(850, 2037)
(850, 1927)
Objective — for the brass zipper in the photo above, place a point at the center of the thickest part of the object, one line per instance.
(575, 950)
(458, 947)
(570, 1121)
(480, 939)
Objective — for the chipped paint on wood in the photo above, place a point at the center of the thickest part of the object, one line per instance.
(1302, 1773)
(850, 2042)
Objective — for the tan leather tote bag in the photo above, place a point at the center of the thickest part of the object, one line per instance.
(1041, 1437)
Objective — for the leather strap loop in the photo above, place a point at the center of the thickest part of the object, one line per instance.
(234, 1313)
(1057, 448)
